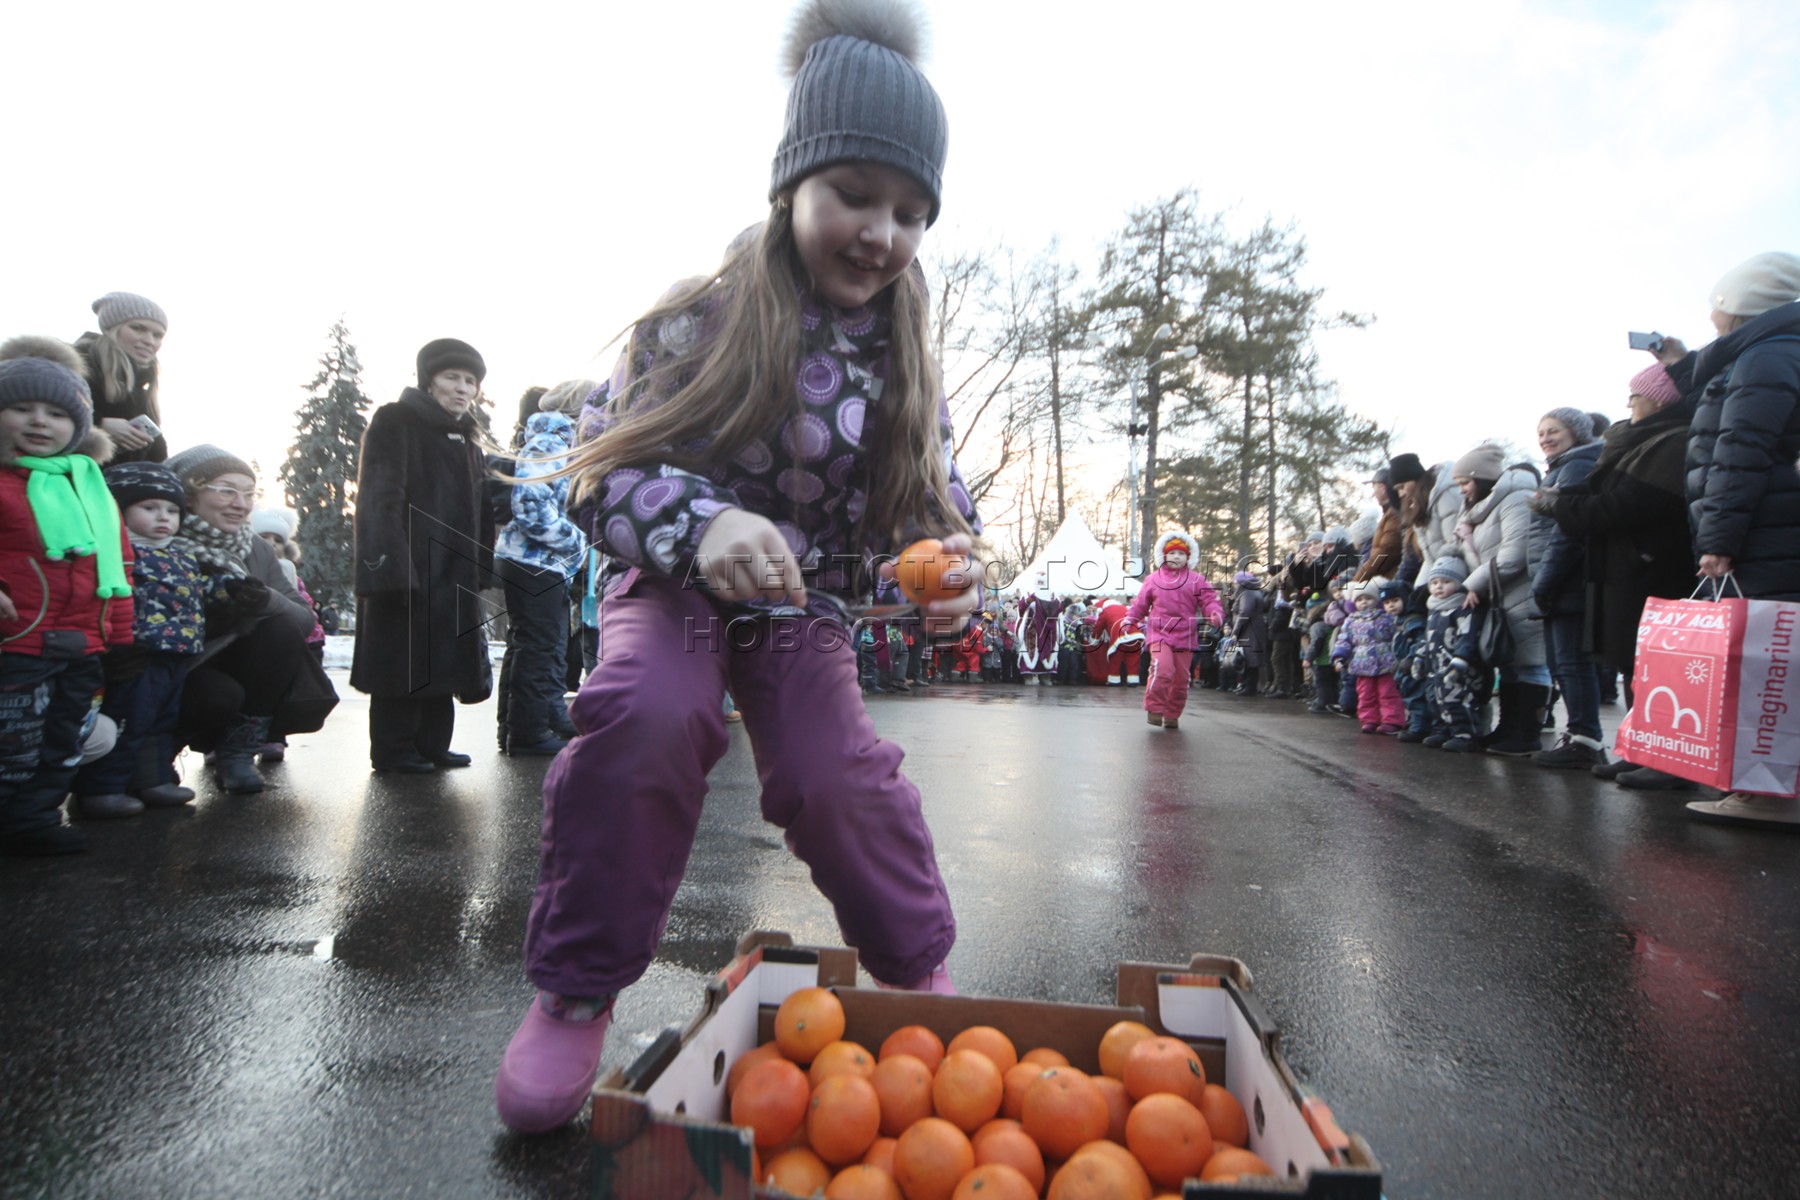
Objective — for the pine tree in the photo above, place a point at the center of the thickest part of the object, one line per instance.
(320, 473)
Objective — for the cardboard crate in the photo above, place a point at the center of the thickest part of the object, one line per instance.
(661, 1126)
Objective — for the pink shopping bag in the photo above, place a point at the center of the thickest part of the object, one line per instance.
(1714, 694)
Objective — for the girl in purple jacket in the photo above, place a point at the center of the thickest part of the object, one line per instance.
(772, 432)
(1166, 608)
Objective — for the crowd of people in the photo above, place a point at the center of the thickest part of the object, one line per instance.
(772, 432)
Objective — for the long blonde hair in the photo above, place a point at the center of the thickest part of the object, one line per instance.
(715, 361)
(118, 376)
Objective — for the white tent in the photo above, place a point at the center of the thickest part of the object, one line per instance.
(1075, 564)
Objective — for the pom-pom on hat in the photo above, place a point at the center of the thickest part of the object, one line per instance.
(116, 308)
(1756, 285)
(1655, 384)
(1486, 461)
(1451, 566)
(1578, 423)
(859, 96)
(1405, 468)
(49, 370)
(203, 463)
(445, 354)
(134, 481)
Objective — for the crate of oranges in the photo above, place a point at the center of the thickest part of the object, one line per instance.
(794, 1081)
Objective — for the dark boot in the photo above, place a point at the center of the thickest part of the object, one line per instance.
(1524, 735)
(1505, 699)
(236, 757)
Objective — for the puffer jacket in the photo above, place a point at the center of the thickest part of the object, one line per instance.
(1367, 640)
(1561, 579)
(1502, 559)
(1167, 606)
(52, 595)
(1743, 488)
(540, 534)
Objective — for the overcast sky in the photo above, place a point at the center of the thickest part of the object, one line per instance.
(1507, 187)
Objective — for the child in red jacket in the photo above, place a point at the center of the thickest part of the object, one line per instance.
(65, 588)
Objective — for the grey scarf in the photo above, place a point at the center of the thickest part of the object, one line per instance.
(219, 550)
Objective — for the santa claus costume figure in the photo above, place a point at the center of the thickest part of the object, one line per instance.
(1173, 597)
(1040, 633)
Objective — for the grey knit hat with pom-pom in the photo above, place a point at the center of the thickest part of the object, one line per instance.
(859, 96)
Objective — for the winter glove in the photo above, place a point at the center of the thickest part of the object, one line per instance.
(1543, 501)
(236, 606)
(1416, 667)
(249, 596)
(1457, 673)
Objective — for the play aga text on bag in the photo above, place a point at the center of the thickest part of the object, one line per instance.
(1713, 694)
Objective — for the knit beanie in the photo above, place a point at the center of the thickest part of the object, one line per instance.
(1486, 461)
(1392, 589)
(116, 308)
(1315, 535)
(1405, 468)
(1578, 423)
(447, 354)
(203, 463)
(50, 370)
(1336, 534)
(134, 481)
(858, 96)
(1655, 384)
(1758, 284)
(1450, 566)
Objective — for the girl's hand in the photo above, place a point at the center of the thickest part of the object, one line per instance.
(744, 557)
(124, 434)
(1471, 601)
(946, 618)
(8, 612)
(1715, 566)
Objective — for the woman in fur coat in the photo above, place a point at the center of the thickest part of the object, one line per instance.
(424, 547)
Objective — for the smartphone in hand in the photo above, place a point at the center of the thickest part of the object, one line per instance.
(1646, 341)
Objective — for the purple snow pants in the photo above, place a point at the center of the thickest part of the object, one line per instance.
(622, 801)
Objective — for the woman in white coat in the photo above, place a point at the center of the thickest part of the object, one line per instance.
(1495, 538)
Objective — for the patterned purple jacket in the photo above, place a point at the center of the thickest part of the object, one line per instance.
(810, 479)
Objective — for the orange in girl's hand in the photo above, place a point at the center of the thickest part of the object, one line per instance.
(920, 571)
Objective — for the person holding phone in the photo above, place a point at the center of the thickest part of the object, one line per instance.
(122, 374)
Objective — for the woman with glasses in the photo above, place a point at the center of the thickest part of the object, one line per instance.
(251, 682)
(424, 547)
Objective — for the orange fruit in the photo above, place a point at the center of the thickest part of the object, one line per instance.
(1169, 1136)
(771, 1101)
(920, 571)
(903, 1086)
(1224, 1116)
(931, 1158)
(1117, 1042)
(917, 1041)
(807, 1022)
(995, 1124)
(1164, 1064)
(1118, 1106)
(1015, 1082)
(989, 1041)
(1140, 1181)
(840, 1058)
(745, 1061)
(994, 1181)
(843, 1119)
(967, 1089)
(1011, 1145)
(1063, 1111)
(798, 1171)
(1093, 1177)
(881, 1154)
(1231, 1162)
(1045, 1055)
(861, 1182)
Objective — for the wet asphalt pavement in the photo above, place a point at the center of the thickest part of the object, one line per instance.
(1513, 982)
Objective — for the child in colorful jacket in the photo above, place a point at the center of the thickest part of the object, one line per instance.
(1366, 645)
(1173, 599)
(1410, 668)
(144, 680)
(1451, 641)
(65, 588)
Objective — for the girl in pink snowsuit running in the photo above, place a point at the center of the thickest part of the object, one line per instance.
(1166, 608)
